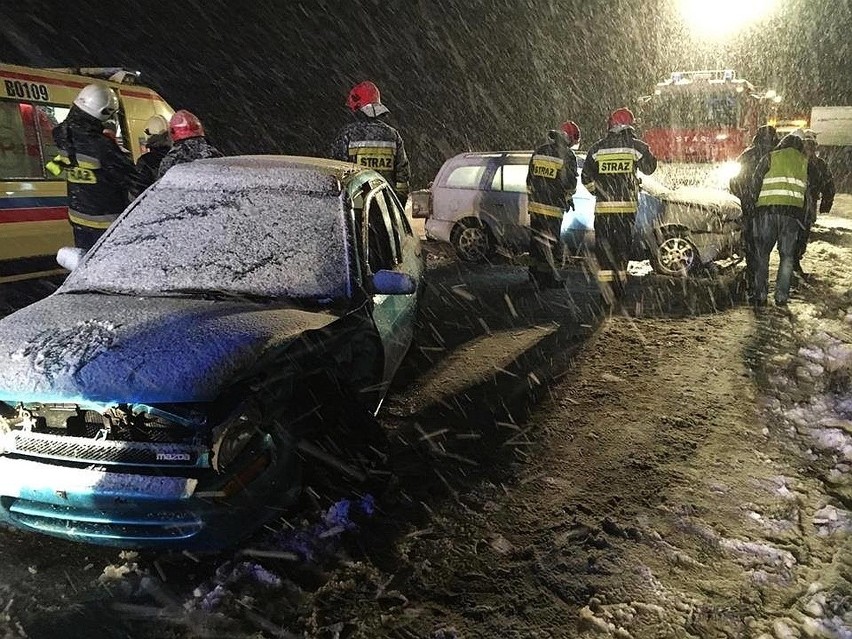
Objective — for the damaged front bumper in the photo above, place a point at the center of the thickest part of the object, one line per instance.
(153, 508)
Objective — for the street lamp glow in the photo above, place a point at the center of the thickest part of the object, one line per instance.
(722, 18)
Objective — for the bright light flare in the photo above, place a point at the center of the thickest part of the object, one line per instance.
(721, 174)
(722, 18)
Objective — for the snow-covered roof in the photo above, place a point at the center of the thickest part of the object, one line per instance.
(290, 172)
(270, 226)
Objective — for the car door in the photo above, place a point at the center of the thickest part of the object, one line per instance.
(502, 202)
(391, 245)
(509, 188)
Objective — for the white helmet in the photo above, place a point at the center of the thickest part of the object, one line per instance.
(156, 125)
(98, 100)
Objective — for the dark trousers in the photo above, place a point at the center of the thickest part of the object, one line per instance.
(85, 236)
(748, 245)
(806, 221)
(613, 247)
(771, 228)
(545, 247)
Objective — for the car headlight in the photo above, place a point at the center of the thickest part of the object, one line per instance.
(231, 437)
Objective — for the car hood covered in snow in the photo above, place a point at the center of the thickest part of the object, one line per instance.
(118, 349)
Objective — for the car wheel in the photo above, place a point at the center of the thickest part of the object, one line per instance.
(675, 256)
(473, 241)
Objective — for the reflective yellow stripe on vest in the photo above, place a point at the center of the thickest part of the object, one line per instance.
(786, 180)
(615, 207)
(91, 221)
(545, 209)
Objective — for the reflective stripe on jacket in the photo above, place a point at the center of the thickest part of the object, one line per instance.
(609, 172)
(372, 143)
(545, 209)
(96, 170)
(552, 176)
(786, 180)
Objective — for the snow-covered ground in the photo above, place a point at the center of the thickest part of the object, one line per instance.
(560, 476)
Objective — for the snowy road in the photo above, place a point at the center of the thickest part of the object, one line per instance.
(678, 470)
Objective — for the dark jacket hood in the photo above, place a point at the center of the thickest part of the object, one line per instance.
(791, 141)
(78, 122)
(765, 137)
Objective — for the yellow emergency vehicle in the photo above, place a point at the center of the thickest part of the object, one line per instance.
(33, 203)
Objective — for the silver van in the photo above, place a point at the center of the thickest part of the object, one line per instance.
(478, 202)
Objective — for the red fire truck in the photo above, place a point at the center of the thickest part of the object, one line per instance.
(701, 116)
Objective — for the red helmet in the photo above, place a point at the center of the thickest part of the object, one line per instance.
(185, 125)
(363, 94)
(622, 116)
(571, 129)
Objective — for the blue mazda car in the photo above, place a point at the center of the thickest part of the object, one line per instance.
(168, 394)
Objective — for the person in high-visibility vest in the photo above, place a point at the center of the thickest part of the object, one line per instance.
(741, 185)
(551, 183)
(780, 185)
(97, 172)
(610, 174)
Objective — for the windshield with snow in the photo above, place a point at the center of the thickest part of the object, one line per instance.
(253, 241)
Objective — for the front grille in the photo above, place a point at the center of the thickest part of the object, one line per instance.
(107, 452)
(104, 526)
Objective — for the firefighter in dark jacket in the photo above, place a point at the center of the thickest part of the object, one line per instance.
(97, 171)
(780, 184)
(188, 142)
(741, 186)
(157, 145)
(820, 188)
(371, 142)
(551, 183)
(609, 173)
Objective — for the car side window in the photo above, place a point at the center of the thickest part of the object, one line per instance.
(465, 177)
(515, 177)
(380, 246)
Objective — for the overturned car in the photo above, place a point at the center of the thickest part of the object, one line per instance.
(160, 396)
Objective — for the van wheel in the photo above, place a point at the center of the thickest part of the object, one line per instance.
(676, 256)
(473, 240)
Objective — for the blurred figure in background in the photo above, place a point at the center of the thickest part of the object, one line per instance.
(551, 183)
(157, 145)
(820, 188)
(371, 142)
(188, 142)
(742, 185)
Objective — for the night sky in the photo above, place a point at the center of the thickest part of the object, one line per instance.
(272, 76)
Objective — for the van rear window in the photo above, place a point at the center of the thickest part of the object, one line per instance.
(465, 177)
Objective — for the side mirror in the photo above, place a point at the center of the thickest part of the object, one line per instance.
(392, 283)
(69, 257)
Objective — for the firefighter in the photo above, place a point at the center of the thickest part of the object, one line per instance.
(551, 183)
(157, 145)
(780, 182)
(741, 186)
(609, 173)
(188, 142)
(97, 171)
(371, 142)
(820, 187)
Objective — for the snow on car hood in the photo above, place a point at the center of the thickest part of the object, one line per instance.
(701, 196)
(118, 349)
